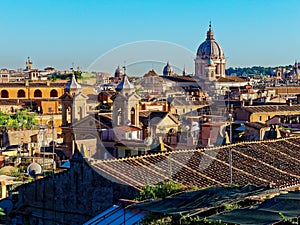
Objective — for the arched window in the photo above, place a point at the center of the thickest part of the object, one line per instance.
(119, 118)
(69, 115)
(4, 94)
(212, 74)
(132, 116)
(37, 94)
(80, 113)
(53, 93)
(50, 123)
(21, 94)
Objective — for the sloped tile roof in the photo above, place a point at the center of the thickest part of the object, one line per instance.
(275, 163)
(272, 108)
(177, 78)
(128, 128)
(231, 79)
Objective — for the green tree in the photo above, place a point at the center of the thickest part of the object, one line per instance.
(160, 190)
(22, 119)
(78, 74)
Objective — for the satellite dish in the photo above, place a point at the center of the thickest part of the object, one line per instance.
(195, 126)
(148, 141)
(34, 170)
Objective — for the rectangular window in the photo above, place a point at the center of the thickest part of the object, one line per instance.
(127, 152)
(260, 118)
(140, 151)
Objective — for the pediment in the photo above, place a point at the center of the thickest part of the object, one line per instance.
(80, 96)
(66, 96)
(89, 122)
(133, 97)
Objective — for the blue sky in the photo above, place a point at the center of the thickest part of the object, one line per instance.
(61, 33)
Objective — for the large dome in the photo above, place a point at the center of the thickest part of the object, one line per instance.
(210, 48)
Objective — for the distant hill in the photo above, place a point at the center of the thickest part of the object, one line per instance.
(254, 70)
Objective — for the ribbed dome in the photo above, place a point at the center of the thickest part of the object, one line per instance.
(118, 72)
(210, 62)
(167, 70)
(210, 48)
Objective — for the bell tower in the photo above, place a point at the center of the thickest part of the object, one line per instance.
(73, 103)
(126, 104)
(28, 64)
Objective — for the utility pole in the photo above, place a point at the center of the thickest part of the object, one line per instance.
(230, 149)
(43, 132)
(53, 147)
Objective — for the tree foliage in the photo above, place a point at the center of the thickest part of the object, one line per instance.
(22, 119)
(78, 74)
(286, 220)
(160, 190)
(159, 219)
(254, 70)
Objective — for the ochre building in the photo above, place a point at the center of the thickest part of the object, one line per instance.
(40, 96)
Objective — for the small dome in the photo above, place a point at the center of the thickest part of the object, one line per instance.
(210, 48)
(118, 72)
(168, 70)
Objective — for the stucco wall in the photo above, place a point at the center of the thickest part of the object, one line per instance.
(70, 197)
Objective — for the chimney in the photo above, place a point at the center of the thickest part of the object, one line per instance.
(298, 98)
(251, 101)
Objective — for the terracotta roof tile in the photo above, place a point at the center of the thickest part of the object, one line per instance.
(207, 167)
(231, 79)
(272, 108)
(127, 128)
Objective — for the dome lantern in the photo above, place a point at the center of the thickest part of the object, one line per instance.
(210, 48)
(210, 33)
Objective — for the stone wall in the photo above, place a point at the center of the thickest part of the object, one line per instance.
(16, 137)
(70, 197)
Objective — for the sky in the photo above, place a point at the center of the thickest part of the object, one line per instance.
(71, 33)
